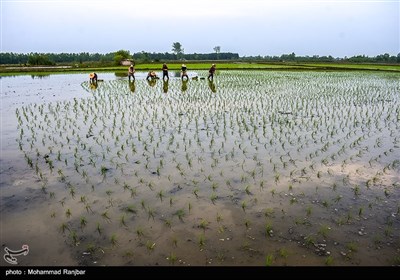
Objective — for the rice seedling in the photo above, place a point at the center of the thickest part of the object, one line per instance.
(139, 232)
(74, 238)
(196, 192)
(244, 206)
(323, 230)
(172, 258)
(202, 241)
(247, 223)
(105, 216)
(175, 242)
(352, 246)
(329, 260)
(247, 190)
(83, 222)
(150, 246)
(160, 195)
(151, 213)
(269, 260)
(114, 240)
(181, 214)
(283, 253)
(269, 229)
(68, 213)
(203, 224)
(64, 227)
(213, 197)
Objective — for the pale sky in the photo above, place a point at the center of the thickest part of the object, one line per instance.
(248, 27)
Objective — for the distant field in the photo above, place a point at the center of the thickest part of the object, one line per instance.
(13, 70)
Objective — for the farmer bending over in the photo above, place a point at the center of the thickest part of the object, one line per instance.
(131, 72)
(211, 72)
(93, 77)
(151, 75)
(184, 72)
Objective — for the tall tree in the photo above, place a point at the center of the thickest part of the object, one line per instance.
(177, 49)
(217, 50)
(121, 55)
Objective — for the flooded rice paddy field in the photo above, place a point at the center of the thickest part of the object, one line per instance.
(256, 168)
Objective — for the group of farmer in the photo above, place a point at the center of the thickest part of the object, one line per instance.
(152, 75)
(184, 75)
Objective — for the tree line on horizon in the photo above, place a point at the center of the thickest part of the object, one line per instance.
(115, 58)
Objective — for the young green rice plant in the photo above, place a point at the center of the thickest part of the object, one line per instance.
(244, 206)
(269, 229)
(143, 204)
(309, 210)
(114, 240)
(181, 214)
(175, 241)
(83, 222)
(269, 259)
(247, 190)
(356, 190)
(219, 218)
(131, 209)
(105, 216)
(168, 223)
(196, 192)
(213, 197)
(202, 241)
(151, 213)
(74, 238)
(329, 260)
(172, 258)
(309, 240)
(283, 253)
(64, 227)
(360, 211)
(203, 224)
(68, 213)
(72, 192)
(139, 232)
(352, 246)
(323, 230)
(150, 246)
(160, 195)
(122, 221)
(247, 224)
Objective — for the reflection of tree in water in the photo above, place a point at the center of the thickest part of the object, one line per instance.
(132, 86)
(40, 76)
(165, 86)
(184, 84)
(212, 86)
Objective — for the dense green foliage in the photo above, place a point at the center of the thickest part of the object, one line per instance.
(115, 58)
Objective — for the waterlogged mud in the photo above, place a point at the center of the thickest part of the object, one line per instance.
(255, 168)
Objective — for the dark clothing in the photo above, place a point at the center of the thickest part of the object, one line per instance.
(184, 72)
(211, 72)
(131, 73)
(93, 78)
(165, 71)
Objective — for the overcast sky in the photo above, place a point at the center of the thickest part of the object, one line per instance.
(248, 27)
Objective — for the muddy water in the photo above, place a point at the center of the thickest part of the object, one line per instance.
(257, 168)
